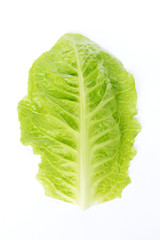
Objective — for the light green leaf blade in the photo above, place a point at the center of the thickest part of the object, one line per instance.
(78, 116)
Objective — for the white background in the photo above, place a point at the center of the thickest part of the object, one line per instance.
(131, 31)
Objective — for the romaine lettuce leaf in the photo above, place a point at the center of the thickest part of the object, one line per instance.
(78, 116)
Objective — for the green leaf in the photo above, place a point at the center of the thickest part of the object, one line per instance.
(78, 116)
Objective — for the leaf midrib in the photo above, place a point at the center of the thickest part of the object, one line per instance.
(84, 199)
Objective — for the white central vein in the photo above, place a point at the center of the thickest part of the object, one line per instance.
(84, 168)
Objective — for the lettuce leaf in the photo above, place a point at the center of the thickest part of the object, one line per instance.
(78, 116)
